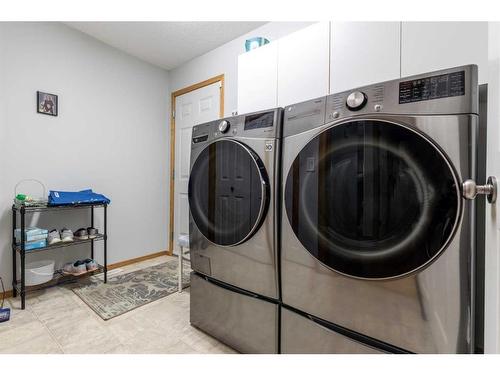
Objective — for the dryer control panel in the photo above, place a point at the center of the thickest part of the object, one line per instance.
(434, 87)
(445, 92)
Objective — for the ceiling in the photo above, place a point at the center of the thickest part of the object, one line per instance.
(165, 44)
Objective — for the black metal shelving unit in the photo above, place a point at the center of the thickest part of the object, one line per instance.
(18, 285)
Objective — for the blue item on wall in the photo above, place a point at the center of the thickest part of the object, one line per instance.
(67, 198)
(256, 42)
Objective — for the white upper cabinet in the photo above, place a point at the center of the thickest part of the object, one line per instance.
(258, 79)
(428, 46)
(363, 53)
(303, 64)
(332, 57)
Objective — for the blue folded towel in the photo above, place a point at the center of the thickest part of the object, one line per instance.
(65, 198)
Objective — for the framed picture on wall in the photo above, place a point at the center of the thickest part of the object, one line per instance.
(46, 103)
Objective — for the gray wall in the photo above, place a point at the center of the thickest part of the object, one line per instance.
(224, 60)
(111, 135)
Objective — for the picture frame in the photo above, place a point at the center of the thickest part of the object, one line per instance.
(46, 103)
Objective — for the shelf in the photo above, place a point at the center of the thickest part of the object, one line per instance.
(56, 208)
(58, 279)
(99, 237)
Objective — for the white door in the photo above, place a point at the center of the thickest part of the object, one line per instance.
(304, 64)
(492, 248)
(258, 79)
(191, 109)
(363, 53)
(428, 46)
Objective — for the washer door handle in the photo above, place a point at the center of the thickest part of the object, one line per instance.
(470, 189)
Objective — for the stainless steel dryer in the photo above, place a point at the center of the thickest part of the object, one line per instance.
(377, 238)
(233, 187)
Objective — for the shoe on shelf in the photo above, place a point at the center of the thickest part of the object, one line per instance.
(76, 268)
(92, 232)
(79, 267)
(53, 237)
(68, 268)
(66, 235)
(91, 264)
(81, 234)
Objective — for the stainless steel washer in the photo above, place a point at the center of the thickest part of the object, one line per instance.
(233, 186)
(377, 237)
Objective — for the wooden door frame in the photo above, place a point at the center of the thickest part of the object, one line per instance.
(175, 94)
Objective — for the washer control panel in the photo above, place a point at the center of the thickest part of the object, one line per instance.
(264, 124)
(259, 120)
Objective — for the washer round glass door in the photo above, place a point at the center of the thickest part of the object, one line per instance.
(228, 192)
(372, 199)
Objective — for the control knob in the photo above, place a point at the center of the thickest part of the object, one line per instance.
(356, 100)
(224, 126)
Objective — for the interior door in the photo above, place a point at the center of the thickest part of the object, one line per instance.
(195, 107)
(492, 248)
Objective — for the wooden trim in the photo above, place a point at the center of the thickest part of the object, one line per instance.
(127, 262)
(175, 94)
(8, 294)
(123, 263)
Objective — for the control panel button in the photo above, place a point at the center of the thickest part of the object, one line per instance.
(224, 126)
(356, 100)
(377, 107)
(334, 115)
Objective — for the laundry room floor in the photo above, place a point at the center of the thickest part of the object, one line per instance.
(58, 321)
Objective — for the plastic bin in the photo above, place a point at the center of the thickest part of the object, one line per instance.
(39, 272)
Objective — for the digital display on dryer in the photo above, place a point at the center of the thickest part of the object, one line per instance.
(260, 120)
(436, 87)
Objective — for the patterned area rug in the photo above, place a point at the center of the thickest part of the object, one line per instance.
(126, 292)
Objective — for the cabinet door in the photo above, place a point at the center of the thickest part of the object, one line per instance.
(363, 53)
(428, 46)
(257, 79)
(303, 64)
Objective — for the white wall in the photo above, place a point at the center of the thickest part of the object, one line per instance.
(111, 135)
(224, 60)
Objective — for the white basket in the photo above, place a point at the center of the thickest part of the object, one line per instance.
(39, 272)
(37, 201)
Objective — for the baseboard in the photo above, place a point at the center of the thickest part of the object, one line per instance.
(127, 262)
(8, 294)
(123, 263)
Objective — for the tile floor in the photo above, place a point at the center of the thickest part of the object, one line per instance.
(57, 321)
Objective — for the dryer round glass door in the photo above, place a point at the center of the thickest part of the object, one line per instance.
(372, 199)
(228, 192)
